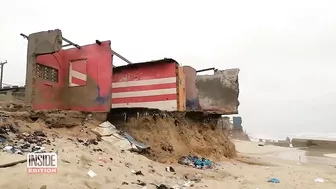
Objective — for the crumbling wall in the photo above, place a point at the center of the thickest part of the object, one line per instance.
(40, 43)
(216, 93)
(219, 92)
(72, 79)
(88, 77)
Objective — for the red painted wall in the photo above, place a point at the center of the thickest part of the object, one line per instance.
(49, 93)
(146, 85)
(93, 95)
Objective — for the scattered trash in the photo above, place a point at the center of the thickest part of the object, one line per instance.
(170, 169)
(13, 150)
(88, 117)
(136, 143)
(109, 133)
(105, 129)
(65, 161)
(274, 180)
(137, 173)
(196, 162)
(192, 177)
(8, 149)
(91, 174)
(139, 182)
(3, 139)
(38, 149)
(102, 160)
(13, 163)
(107, 124)
(319, 180)
(187, 184)
(90, 141)
(162, 186)
(39, 133)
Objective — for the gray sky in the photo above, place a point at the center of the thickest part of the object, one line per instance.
(286, 50)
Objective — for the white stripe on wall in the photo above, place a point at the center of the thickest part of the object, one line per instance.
(143, 93)
(78, 75)
(144, 82)
(169, 105)
(73, 85)
(70, 75)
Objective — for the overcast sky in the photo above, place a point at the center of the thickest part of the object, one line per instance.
(286, 50)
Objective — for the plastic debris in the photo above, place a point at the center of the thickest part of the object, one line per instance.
(38, 149)
(13, 150)
(103, 160)
(3, 139)
(139, 182)
(8, 149)
(107, 124)
(170, 169)
(319, 180)
(274, 180)
(162, 186)
(187, 184)
(91, 174)
(137, 172)
(200, 163)
(136, 143)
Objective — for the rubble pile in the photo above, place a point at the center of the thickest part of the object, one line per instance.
(23, 130)
(197, 162)
(13, 141)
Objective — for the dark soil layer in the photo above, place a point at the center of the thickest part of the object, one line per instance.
(172, 136)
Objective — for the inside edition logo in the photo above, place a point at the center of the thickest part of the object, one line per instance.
(41, 163)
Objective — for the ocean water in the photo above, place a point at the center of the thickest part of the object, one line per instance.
(321, 136)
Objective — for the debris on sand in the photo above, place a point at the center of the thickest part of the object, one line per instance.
(170, 169)
(13, 163)
(194, 161)
(91, 174)
(109, 133)
(274, 180)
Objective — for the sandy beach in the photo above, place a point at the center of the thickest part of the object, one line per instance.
(114, 170)
(241, 164)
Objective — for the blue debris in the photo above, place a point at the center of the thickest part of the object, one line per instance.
(3, 139)
(274, 180)
(196, 162)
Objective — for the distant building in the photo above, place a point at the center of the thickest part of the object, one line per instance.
(237, 123)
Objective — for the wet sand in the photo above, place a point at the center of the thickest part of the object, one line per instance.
(307, 156)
